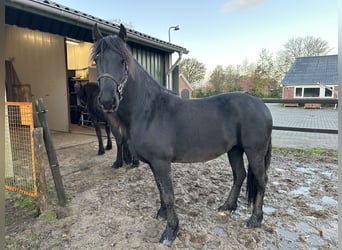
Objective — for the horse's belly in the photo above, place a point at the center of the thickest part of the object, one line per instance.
(198, 155)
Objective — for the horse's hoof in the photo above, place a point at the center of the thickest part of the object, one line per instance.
(117, 165)
(135, 164)
(254, 222)
(128, 162)
(169, 235)
(108, 147)
(101, 152)
(227, 208)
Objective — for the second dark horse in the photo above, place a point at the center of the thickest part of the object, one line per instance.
(88, 95)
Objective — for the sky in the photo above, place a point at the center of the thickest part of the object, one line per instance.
(222, 32)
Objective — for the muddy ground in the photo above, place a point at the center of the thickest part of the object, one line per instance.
(116, 209)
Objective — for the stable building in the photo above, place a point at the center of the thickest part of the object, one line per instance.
(47, 53)
(312, 77)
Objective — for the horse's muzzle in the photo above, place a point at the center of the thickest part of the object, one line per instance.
(108, 105)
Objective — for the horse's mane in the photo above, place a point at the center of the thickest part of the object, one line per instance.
(116, 44)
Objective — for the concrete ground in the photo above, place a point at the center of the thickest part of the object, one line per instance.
(304, 118)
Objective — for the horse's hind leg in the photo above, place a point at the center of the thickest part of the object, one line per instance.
(235, 156)
(256, 184)
(109, 140)
(161, 171)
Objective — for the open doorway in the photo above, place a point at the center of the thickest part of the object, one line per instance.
(80, 70)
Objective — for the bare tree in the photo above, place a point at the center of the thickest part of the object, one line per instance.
(193, 70)
(217, 80)
(299, 47)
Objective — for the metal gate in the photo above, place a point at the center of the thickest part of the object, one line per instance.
(20, 171)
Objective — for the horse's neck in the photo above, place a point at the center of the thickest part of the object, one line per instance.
(92, 103)
(142, 90)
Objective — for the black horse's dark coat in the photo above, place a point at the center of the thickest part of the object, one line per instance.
(164, 128)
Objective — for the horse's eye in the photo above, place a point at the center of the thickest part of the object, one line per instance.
(123, 62)
(96, 57)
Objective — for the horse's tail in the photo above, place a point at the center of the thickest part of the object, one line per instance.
(252, 185)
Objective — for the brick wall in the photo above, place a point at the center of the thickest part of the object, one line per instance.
(336, 92)
(288, 92)
(183, 85)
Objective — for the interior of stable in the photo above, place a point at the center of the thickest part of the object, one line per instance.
(80, 70)
(47, 66)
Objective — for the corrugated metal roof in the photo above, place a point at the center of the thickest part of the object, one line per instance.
(313, 70)
(52, 17)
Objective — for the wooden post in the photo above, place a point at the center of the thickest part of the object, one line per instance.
(50, 150)
(41, 181)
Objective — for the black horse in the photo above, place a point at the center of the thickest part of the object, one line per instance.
(164, 128)
(88, 96)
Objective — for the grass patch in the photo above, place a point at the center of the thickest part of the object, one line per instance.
(19, 207)
(10, 243)
(312, 151)
(20, 200)
(49, 216)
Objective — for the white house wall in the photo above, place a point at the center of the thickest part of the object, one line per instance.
(39, 60)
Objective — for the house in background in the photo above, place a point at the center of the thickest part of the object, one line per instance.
(312, 77)
(185, 89)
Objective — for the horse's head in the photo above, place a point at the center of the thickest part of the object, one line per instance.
(112, 59)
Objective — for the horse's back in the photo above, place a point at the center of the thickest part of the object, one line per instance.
(215, 124)
(229, 108)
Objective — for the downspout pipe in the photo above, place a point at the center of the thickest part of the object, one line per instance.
(168, 74)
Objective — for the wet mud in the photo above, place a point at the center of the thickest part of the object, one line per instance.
(116, 209)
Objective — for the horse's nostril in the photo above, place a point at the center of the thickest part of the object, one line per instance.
(107, 105)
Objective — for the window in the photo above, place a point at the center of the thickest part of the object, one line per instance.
(311, 92)
(299, 92)
(328, 92)
(314, 92)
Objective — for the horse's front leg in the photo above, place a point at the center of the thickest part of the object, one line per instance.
(101, 150)
(161, 171)
(118, 139)
(109, 140)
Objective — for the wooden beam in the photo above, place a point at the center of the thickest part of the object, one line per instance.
(50, 150)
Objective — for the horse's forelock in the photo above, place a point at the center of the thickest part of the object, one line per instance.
(118, 46)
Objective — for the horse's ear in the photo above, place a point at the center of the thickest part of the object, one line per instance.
(123, 33)
(96, 33)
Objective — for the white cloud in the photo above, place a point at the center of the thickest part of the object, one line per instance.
(234, 5)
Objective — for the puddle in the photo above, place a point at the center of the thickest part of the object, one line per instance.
(329, 201)
(219, 231)
(316, 207)
(303, 170)
(300, 191)
(302, 235)
(269, 210)
(327, 174)
(213, 245)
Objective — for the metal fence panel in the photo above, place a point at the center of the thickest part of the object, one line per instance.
(20, 171)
